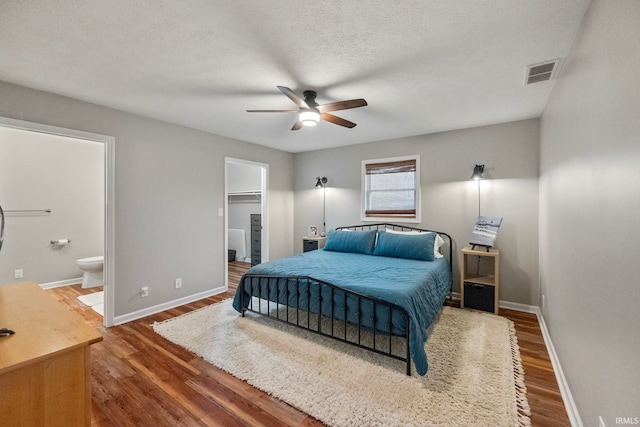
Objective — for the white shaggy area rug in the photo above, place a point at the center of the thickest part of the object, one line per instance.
(475, 375)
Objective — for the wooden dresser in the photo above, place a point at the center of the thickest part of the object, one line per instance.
(45, 368)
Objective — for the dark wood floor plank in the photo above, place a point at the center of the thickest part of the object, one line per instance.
(140, 379)
(266, 403)
(236, 404)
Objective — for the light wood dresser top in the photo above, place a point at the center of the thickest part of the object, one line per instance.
(43, 326)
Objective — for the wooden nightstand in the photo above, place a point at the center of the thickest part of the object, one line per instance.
(311, 243)
(480, 292)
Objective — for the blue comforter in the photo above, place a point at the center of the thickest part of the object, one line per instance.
(420, 287)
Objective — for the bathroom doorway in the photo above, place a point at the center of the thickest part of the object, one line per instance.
(43, 211)
(245, 213)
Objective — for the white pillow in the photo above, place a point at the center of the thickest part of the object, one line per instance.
(437, 242)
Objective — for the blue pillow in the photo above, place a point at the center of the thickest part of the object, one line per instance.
(412, 246)
(359, 242)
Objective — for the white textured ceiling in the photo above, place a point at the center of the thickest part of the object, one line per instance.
(424, 66)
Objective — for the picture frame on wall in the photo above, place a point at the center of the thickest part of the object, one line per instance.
(313, 231)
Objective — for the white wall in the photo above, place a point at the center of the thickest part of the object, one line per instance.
(590, 211)
(169, 184)
(66, 175)
(449, 199)
(243, 178)
(240, 211)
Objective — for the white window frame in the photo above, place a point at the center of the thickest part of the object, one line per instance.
(363, 192)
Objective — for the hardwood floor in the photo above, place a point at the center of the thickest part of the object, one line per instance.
(140, 379)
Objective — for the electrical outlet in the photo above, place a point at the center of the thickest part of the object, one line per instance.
(178, 283)
(19, 274)
(144, 291)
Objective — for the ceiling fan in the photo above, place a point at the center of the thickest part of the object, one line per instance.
(310, 113)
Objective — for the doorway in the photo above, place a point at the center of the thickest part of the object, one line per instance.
(108, 196)
(245, 213)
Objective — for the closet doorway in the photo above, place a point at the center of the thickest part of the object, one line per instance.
(245, 213)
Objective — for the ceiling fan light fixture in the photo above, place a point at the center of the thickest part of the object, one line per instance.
(309, 117)
(310, 113)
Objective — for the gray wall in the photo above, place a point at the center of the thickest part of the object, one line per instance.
(590, 209)
(169, 186)
(449, 199)
(66, 175)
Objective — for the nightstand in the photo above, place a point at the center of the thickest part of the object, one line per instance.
(480, 291)
(311, 243)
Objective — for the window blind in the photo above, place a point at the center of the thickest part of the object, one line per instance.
(390, 189)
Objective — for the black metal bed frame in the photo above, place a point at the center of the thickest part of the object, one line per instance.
(300, 290)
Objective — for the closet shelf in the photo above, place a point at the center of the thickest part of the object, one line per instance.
(245, 193)
(245, 197)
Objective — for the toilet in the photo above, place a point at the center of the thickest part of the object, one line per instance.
(92, 268)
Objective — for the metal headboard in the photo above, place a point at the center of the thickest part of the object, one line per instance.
(396, 227)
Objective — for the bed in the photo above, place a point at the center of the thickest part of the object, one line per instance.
(370, 286)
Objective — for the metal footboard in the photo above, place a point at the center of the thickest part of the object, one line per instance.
(328, 310)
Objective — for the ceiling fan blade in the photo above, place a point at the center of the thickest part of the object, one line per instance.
(292, 96)
(342, 105)
(272, 111)
(337, 120)
(297, 125)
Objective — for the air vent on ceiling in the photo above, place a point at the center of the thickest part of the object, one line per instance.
(542, 72)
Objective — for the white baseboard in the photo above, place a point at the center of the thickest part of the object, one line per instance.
(61, 283)
(520, 307)
(567, 397)
(507, 304)
(119, 320)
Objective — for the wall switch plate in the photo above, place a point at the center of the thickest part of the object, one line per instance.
(544, 302)
(19, 274)
(178, 283)
(220, 212)
(144, 291)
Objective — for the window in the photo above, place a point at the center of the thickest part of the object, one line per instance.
(391, 189)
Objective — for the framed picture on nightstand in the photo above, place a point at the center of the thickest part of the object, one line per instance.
(313, 231)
